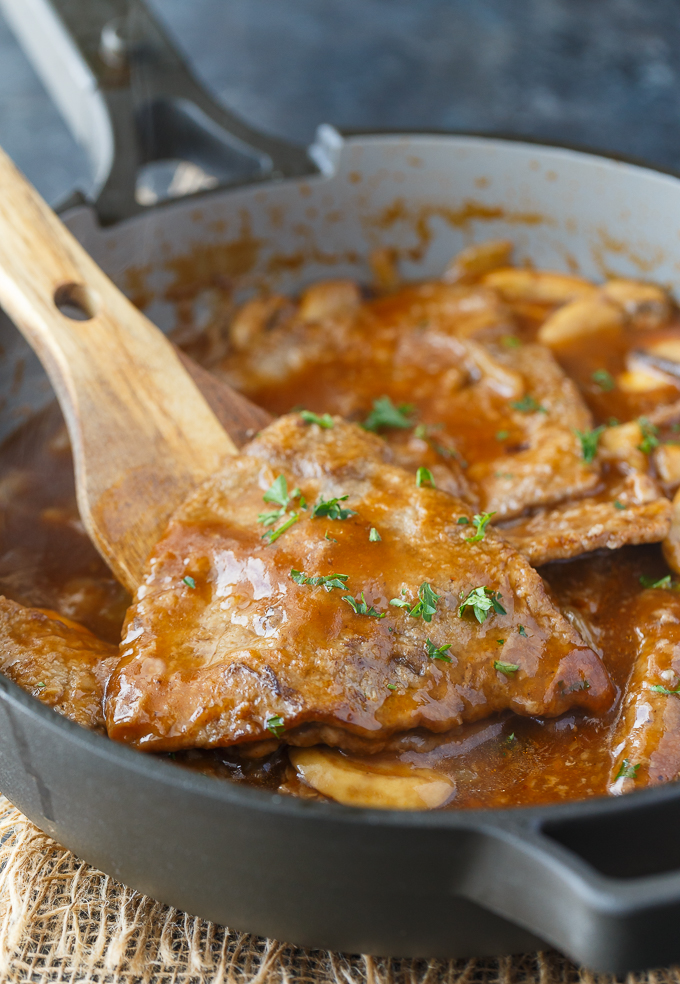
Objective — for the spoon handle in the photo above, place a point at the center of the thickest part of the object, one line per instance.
(142, 434)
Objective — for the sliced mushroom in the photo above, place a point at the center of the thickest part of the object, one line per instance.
(329, 299)
(364, 782)
(671, 545)
(578, 318)
(622, 443)
(538, 287)
(476, 260)
(254, 318)
(667, 461)
(646, 305)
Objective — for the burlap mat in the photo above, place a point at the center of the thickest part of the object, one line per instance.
(62, 920)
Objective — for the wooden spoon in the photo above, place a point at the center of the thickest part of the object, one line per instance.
(143, 436)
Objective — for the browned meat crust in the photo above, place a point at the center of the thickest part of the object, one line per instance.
(61, 664)
(631, 510)
(646, 740)
(221, 640)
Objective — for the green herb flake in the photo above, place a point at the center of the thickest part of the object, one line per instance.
(619, 505)
(501, 642)
(510, 739)
(41, 686)
(463, 521)
(604, 380)
(480, 523)
(507, 668)
(327, 581)
(385, 415)
(332, 509)
(664, 690)
(278, 492)
(649, 436)
(425, 608)
(627, 770)
(589, 442)
(424, 475)
(189, 581)
(327, 537)
(361, 607)
(374, 536)
(275, 725)
(420, 432)
(483, 602)
(511, 341)
(437, 652)
(522, 631)
(502, 435)
(663, 582)
(324, 420)
(528, 405)
(391, 686)
(271, 535)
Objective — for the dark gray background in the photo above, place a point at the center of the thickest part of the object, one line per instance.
(599, 73)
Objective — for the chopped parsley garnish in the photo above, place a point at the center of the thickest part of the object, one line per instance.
(502, 435)
(385, 415)
(463, 521)
(425, 608)
(420, 432)
(528, 405)
(604, 380)
(501, 642)
(522, 631)
(324, 420)
(332, 509)
(663, 582)
(482, 601)
(41, 686)
(649, 436)
(437, 652)
(506, 668)
(391, 686)
(361, 607)
(511, 737)
(480, 522)
(424, 475)
(627, 770)
(189, 581)
(664, 690)
(589, 441)
(374, 536)
(510, 341)
(271, 535)
(278, 494)
(619, 505)
(275, 725)
(327, 537)
(327, 581)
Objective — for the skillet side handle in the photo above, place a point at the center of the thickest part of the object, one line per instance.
(613, 923)
(129, 97)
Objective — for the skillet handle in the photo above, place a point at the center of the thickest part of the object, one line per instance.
(601, 883)
(129, 97)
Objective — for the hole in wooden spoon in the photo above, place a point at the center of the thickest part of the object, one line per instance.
(76, 301)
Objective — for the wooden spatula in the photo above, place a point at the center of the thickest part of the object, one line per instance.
(143, 436)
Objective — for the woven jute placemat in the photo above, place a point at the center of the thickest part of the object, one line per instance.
(62, 920)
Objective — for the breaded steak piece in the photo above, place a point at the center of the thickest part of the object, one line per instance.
(313, 591)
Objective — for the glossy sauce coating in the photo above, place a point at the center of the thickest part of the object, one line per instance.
(463, 390)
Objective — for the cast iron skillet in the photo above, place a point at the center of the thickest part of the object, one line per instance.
(600, 880)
